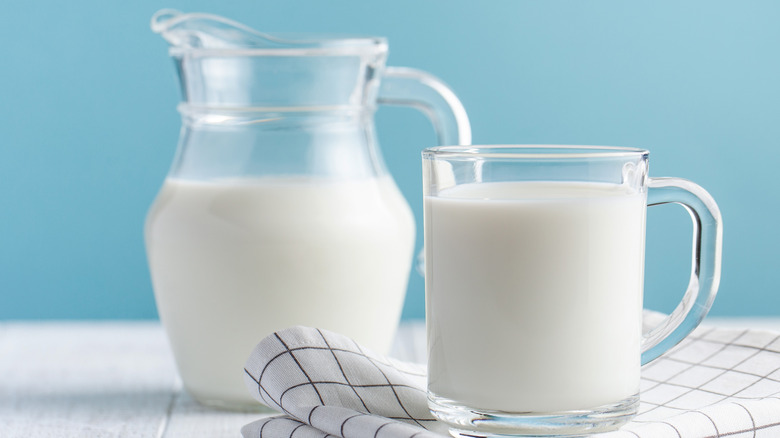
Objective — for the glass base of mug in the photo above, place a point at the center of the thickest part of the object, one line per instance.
(465, 422)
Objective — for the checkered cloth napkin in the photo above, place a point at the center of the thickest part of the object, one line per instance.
(716, 383)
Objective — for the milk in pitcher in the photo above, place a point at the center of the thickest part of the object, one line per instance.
(234, 260)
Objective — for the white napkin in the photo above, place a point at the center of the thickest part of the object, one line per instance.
(716, 383)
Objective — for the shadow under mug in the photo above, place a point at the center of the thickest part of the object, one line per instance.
(534, 275)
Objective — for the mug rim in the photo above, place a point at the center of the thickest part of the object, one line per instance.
(532, 151)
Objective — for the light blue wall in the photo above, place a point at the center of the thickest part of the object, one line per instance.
(88, 124)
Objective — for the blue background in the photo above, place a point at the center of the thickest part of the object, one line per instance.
(88, 124)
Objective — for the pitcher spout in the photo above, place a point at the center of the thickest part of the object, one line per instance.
(197, 30)
(223, 63)
(208, 31)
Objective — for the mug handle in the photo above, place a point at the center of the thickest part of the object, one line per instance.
(415, 88)
(705, 269)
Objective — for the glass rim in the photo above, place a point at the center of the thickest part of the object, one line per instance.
(532, 151)
(301, 44)
(318, 46)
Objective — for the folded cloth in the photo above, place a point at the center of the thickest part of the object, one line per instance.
(716, 383)
(327, 384)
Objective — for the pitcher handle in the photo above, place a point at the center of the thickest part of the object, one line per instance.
(705, 270)
(427, 93)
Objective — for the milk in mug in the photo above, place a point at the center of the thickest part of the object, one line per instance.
(234, 260)
(534, 294)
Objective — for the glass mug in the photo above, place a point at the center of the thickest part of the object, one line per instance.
(534, 277)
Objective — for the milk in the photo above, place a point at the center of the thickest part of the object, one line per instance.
(234, 260)
(534, 294)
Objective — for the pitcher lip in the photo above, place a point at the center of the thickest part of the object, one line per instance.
(532, 151)
(167, 22)
(314, 45)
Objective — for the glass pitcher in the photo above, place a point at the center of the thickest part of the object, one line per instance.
(278, 209)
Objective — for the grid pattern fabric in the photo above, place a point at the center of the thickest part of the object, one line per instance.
(327, 383)
(716, 383)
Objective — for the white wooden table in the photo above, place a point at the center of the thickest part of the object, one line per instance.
(118, 380)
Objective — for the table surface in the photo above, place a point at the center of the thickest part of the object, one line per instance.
(117, 379)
